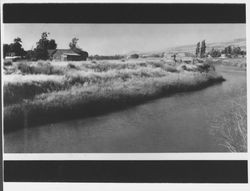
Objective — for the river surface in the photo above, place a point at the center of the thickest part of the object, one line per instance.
(178, 123)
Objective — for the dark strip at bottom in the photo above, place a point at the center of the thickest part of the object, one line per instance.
(209, 171)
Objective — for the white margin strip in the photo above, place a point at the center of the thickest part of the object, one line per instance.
(129, 156)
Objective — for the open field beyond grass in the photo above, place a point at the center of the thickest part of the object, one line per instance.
(43, 92)
(237, 62)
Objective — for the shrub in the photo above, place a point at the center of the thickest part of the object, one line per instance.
(24, 67)
(157, 64)
(169, 68)
(41, 67)
(134, 56)
(7, 63)
(71, 66)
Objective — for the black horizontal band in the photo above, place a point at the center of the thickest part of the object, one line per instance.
(212, 171)
(124, 13)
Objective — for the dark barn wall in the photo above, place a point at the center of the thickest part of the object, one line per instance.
(61, 55)
(57, 56)
(74, 58)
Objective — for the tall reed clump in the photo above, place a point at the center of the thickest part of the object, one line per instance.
(19, 87)
(231, 128)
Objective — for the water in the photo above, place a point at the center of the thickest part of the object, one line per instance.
(179, 123)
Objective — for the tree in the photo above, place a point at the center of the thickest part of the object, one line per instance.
(52, 44)
(43, 42)
(203, 49)
(73, 43)
(18, 40)
(16, 47)
(215, 53)
(174, 57)
(236, 51)
(6, 49)
(30, 55)
(197, 51)
(41, 51)
(73, 46)
(243, 53)
(228, 51)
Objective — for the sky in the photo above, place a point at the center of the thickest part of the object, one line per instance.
(110, 39)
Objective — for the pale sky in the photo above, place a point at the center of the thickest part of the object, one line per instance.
(109, 39)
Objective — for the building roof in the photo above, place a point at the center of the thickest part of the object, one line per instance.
(51, 52)
(71, 54)
(63, 51)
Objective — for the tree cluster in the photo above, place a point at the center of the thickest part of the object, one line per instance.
(215, 53)
(40, 52)
(229, 51)
(43, 45)
(200, 50)
(15, 47)
(73, 46)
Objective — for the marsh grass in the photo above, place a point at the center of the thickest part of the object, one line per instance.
(231, 127)
(39, 95)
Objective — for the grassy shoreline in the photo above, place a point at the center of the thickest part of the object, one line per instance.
(231, 126)
(91, 93)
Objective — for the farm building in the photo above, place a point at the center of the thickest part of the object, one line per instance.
(12, 56)
(67, 55)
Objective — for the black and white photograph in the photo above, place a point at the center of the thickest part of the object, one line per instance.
(125, 93)
(125, 88)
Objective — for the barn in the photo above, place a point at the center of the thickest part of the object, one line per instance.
(67, 55)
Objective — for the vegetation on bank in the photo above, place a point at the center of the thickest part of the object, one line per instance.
(43, 92)
(231, 127)
(236, 62)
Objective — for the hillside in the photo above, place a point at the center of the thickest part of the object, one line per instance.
(241, 42)
(217, 45)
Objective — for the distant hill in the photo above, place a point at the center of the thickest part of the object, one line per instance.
(241, 42)
(217, 45)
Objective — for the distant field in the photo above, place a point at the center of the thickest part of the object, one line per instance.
(42, 92)
(239, 62)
